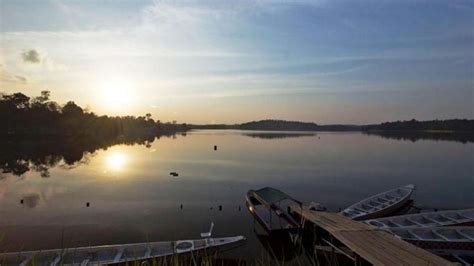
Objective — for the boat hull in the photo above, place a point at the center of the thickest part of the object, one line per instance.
(385, 212)
(380, 205)
(438, 238)
(252, 205)
(117, 254)
(427, 219)
(440, 245)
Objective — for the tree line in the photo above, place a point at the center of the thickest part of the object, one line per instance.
(22, 116)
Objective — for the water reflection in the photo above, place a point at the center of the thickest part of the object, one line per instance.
(281, 247)
(31, 200)
(278, 135)
(19, 156)
(145, 204)
(116, 161)
(463, 137)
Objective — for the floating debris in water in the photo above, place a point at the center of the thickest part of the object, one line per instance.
(174, 174)
(220, 207)
(211, 208)
(88, 204)
(181, 207)
(239, 208)
(215, 147)
(21, 201)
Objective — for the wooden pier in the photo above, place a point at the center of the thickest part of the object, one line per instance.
(365, 243)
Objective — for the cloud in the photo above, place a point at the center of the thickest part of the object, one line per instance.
(8, 77)
(31, 56)
(20, 79)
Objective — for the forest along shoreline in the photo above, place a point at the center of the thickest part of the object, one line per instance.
(460, 130)
(38, 133)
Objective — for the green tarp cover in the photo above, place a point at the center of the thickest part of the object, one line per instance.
(272, 195)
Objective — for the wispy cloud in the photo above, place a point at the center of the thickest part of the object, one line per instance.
(7, 77)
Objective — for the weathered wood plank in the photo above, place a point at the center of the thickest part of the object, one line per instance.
(373, 245)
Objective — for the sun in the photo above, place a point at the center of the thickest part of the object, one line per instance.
(117, 93)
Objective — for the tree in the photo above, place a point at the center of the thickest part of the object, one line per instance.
(43, 98)
(19, 100)
(72, 109)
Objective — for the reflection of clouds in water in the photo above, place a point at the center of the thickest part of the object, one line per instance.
(32, 200)
(51, 191)
(34, 197)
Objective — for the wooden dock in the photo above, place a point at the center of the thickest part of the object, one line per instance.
(365, 242)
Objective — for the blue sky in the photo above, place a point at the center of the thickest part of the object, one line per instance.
(234, 61)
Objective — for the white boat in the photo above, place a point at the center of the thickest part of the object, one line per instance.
(438, 238)
(114, 254)
(426, 219)
(380, 205)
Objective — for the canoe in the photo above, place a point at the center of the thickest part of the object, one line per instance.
(438, 238)
(113, 254)
(462, 257)
(267, 205)
(426, 219)
(380, 205)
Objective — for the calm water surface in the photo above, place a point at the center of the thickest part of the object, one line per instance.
(134, 199)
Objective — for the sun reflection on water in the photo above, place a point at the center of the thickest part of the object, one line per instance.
(116, 161)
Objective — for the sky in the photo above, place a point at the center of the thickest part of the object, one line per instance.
(206, 62)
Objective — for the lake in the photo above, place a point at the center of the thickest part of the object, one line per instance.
(133, 197)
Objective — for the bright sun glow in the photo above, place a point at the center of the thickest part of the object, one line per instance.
(116, 93)
(115, 161)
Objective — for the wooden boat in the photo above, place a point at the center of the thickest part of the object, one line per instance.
(438, 238)
(115, 254)
(426, 219)
(462, 257)
(268, 204)
(380, 205)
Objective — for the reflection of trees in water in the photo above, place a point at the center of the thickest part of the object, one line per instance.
(276, 135)
(463, 137)
(20, 156)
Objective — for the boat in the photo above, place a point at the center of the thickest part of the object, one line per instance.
(438, 238)
(119, 254)
(426, 219)
(462, 257)
(268, 204)
(380, 205)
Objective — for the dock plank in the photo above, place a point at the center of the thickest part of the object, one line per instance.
(372, 244)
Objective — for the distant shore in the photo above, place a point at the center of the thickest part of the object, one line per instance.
(431, 126)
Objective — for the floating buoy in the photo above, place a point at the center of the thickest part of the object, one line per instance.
(215, 147)
(220, 207)
(21, 201)
(181, 206)
(174, 174)
(88, 204)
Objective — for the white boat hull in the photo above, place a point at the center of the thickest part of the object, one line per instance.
(438, 238)
(427, 219)
(112, 254)
(380, 205)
